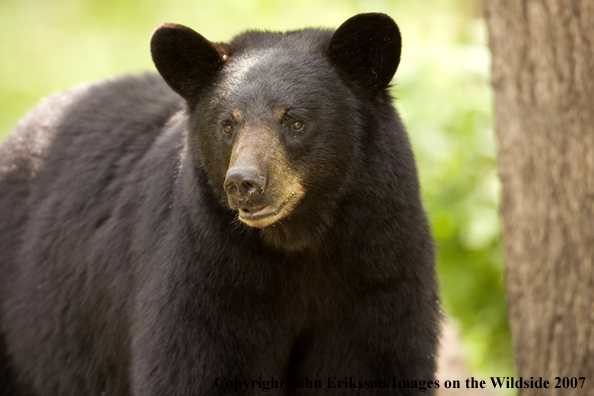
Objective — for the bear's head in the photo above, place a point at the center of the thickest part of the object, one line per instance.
(276, 119)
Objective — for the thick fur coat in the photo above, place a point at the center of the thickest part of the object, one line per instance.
(252, 212)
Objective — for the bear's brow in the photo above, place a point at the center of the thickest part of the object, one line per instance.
(280, 113)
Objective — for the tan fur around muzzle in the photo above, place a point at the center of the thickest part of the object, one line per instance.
(262, 148)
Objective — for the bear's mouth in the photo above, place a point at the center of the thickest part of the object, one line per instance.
(262, 216)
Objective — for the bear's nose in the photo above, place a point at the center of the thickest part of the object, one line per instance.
(246, 182)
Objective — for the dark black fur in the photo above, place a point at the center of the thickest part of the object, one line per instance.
(123, 270)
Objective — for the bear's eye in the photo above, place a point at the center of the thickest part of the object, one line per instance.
(227, 127)
(297, 126)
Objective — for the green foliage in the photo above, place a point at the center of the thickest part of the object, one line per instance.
(442, 89)
(446, 102)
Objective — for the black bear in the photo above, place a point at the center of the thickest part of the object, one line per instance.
(248, 221)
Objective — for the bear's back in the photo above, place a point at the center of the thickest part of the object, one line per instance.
(70, 176)
(77, 144)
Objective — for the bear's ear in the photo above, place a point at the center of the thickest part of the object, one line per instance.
(187, 61)
(367, 48)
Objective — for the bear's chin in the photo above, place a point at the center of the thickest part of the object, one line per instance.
(297, 232)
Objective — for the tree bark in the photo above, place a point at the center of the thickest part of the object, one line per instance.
(543, 76)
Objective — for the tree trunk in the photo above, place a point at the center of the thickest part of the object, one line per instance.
(543, 76)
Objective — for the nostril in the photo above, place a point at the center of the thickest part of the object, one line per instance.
(248, 187)
(231, 188)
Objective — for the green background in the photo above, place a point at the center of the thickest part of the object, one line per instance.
(441, 90)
